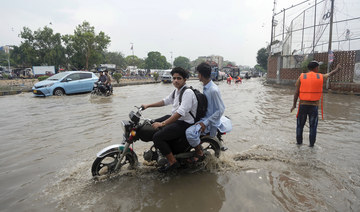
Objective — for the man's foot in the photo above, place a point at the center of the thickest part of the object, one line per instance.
(311, 145)
(196, 158)
(167, 167)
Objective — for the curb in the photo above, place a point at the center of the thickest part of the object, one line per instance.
(3, 93)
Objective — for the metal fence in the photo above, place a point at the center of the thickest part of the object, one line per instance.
(304, 28)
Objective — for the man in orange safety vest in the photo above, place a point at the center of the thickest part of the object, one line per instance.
(309, 87)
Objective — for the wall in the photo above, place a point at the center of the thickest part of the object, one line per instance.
(347, 80)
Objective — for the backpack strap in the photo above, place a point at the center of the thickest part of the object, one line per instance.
(181, 94)
(180, 98)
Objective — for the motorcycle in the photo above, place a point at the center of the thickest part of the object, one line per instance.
(101, 89)
(112, 158)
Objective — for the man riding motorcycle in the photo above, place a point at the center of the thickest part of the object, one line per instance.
(174, 126)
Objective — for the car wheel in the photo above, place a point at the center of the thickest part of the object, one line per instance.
(59, 92)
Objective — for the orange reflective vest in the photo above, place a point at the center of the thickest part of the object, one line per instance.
(311, 86)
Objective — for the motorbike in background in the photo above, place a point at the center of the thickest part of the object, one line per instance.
(112, 158)
(101, 89)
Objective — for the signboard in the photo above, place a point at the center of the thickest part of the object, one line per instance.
(331, 56)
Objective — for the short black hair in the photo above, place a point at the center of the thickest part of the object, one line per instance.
(313, 64)
(204, 69)
(181, 71)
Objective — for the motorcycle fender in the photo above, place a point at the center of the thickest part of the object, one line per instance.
(216, 140)
(110, 149)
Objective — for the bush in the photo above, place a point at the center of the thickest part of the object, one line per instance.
(5, 76)
(42, 78)
(156, 76)
(117, 77)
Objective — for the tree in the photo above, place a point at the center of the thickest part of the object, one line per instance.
(41, 47)
(86, 49)
(156, 61)
(182, 62)
(259, 68)
(135, 61)
(228, 63)
(262, 58)
(115, 58)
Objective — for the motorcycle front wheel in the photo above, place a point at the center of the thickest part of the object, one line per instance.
(106, 165)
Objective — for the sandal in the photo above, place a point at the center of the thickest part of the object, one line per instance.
(196, 158)
(167, 167)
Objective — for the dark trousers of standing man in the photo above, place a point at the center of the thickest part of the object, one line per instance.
(167, 139)
(304, 112)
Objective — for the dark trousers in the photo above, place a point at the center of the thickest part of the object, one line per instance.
(304, 112)
(167, 139)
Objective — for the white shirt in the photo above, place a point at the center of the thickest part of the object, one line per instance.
(188, 103)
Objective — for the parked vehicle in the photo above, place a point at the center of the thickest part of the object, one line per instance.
(166, 76)
(101, 89)
(245, 75)
(43, 70)
(112, 158)
(69, 82)
(217, 75)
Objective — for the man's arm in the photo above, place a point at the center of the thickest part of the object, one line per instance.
(296, 95)
(156, 104)
(338, 67)
(170, 120)
(220, 108)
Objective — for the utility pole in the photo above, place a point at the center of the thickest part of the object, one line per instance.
(172, 66)
(330, 40)
(313, 50)
(132, 49)
(272, 24)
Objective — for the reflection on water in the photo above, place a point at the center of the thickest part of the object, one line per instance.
(49, 144)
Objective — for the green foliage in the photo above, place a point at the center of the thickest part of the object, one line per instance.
(115, 58)
(259, 68)
(135, 61)
(41, 47)
(3, 58)
(5, 76)
(117, 77)
(85, 48)
(262, 58)
(304, 64)
(41, 78)
(156, 61)
(156, 76)
(196, 62)
(182, 62)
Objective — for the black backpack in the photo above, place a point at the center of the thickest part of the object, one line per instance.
(202, 103)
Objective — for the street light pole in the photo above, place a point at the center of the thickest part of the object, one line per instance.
(172, 65)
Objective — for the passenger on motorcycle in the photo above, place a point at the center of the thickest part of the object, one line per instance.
(108, 80)
(213, 119)
(173, 127)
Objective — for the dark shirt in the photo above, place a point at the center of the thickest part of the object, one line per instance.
(102, 78)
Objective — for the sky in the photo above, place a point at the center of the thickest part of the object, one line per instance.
(234, 29)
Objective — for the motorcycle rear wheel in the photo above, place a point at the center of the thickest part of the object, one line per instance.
(210, 146)
(106, 165)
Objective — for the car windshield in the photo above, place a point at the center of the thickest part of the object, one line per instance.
(58, 76)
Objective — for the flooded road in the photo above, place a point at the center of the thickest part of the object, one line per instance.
(47, 147)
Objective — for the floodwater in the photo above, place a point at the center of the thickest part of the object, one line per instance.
(47, 147)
